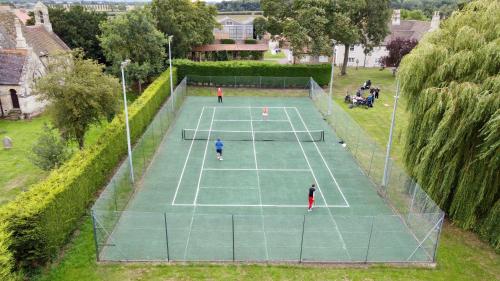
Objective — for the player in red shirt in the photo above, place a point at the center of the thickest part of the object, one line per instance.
(219, 95)
(311, 197)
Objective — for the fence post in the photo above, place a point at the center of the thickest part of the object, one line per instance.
(260, 81)
(114, 193)
(95, 236)
(302, 239)
(166, 236)
(232, 221)
(437, 239)
(369, 241)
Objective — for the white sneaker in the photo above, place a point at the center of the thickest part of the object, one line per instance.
(309, 210)
(221, 159)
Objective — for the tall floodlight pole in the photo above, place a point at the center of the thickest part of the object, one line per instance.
(331, 81)
(170, 66)
(389, 142)
(122, 66)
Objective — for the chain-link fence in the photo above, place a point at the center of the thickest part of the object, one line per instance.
(249, 82)
(417, 210)
(120, 189)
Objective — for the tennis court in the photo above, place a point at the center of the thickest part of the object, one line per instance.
(252, 206)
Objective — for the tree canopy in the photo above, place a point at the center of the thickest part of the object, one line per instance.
(79, 94)
(451, 81)
(133, 35)
(398, 48)
(238, 5)
(191, 24)
(413, 15)
(79, 28)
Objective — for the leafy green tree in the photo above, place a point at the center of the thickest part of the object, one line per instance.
(413, 15)
(259, 27)
(31, 20)
(79, 28)
(133, 36)
(79, 94)
(238, 5)
(191, 24)
(451, 82)
(398, 48)
(50, 150)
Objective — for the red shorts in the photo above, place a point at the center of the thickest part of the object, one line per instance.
(311, 201)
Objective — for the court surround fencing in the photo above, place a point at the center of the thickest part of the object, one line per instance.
(157, 236)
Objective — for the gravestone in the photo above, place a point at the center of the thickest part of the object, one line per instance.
(7, 143)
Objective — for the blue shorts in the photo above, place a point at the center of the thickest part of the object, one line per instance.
(219, 151)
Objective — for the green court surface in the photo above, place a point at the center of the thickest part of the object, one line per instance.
(252, 206)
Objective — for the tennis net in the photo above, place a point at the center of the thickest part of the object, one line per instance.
(302, 136)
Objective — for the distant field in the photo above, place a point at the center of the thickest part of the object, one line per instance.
(17, 171)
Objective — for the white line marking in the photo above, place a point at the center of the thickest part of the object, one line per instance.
(204, 157)
(258, 183)
(259, 206)
(187, 157)
(189, 234)
(245, 120)
(229, 107)
(256, 169)
(230, 131)
(319, 189)
(324, 161)
(227, 187)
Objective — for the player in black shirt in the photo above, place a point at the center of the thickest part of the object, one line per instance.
(311, 196)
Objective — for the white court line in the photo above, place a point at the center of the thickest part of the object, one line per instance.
(229, 107)
(187, 157)
(256, 169)
(258, 206)
(204, 157)
(324, 161)
(319, 189)
(258, 182)
(230, 131)
(226, 187)
(245, 120)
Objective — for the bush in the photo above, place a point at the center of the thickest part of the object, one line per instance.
(6, 261)
(320, 72)
(227, 41)
(42, 219)
(50, 151)
(250, 41)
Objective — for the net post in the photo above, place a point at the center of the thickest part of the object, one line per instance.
(369, 241)
(232, 222)
(95, 236)
(302, 239)
(166, 236)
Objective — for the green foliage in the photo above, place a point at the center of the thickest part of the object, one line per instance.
(320, 72)
(445, 7)
(413, 15)
(238, 5)
(42, 219)
(50, 151)
(259, 27)
(250, 41)
(31, 20)
(80, 95)
(191, 24)
(452, 84)
(6, 260)
(227, 41)
(79, 28)
(133, 36)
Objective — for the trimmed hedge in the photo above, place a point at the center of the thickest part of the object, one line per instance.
(250, 41)
(320, 72)
(227, 41)
(42, 219)
(6, 260)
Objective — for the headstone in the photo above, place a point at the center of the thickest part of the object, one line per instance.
(7, 143)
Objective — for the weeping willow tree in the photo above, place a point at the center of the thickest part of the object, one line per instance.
(452, 84)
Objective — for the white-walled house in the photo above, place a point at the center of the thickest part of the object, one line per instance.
(24, 55)
(405, 29)
(236, 27)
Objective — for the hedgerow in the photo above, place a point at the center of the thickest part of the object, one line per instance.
(320, 72)
(42, 219)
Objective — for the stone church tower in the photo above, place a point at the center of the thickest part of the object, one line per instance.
(42, 16)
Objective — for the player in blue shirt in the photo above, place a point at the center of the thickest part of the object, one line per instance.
(218, 148)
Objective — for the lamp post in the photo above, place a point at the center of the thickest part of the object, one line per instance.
(170, 66)
(389, 142)
(122, 67)
(330, 96)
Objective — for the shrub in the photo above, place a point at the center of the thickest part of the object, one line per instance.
(42, 219)
(227, 41)
(6, 261)
(320, 72)
(250, 41)
(50, 151)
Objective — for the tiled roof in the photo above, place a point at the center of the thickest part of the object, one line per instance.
(407, 29)
(231, 47)
(11, 66)
(44, 42)
(7, 29)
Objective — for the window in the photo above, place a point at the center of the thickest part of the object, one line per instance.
(350, 59)
(229, 22)
(351, 48)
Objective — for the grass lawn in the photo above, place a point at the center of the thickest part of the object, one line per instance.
(269, 55)
(461, 255)
(18, 172)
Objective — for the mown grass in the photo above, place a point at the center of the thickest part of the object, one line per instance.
(18, 173)
(461, 255)
(269, 55)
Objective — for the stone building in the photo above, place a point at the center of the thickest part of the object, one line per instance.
(24, 55)
(405, 29)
